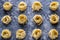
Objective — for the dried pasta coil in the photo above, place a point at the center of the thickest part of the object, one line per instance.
(53, 33)
(54, 18)
(22, 6)
(36, 33)
(22, 19)
(7, 6)
(6, 33)
(20, 34)
(6, 19)
(54, 5)
(36, 6)
(38, 19)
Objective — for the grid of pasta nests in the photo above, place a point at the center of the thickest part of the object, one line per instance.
(21, 34)
(38, 19)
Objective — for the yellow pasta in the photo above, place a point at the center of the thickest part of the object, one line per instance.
(38, 19)
(20, 34)
(36, 33)
(22, 19)
(54, 5)
(22, 6)
(6, 33)
(54, 18)
(36, 6)
(53, 33)
(6, 19)
(7, 6)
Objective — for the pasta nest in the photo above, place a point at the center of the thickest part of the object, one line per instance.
(38, 19)
(6, 19)
(54, 5)
(36, 33)
(36, 5)
(54, 18)
(53, 33)
(22, 19)
(7, 6)
(6, 33)
(22, 6)
(20, 34)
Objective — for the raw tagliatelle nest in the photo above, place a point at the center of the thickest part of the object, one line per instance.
(22, 19)
(20, 34)
(54, 5)
(36, 33)
(36, 5)
(53, 34)
(6, 19)
(54, 18)
(38, 19)
(6, 33)
(7, 6)
(22, 6)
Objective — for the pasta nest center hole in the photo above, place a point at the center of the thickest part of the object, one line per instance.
(37, 32)
(22, 18)
(53, 18)
(22, 4)
(55, 33)
(37, 4)
(6, 19)
(5, 33)
(54, 4)
(37, 18)
(7, 4)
